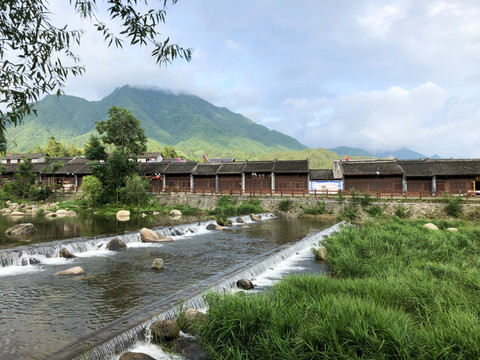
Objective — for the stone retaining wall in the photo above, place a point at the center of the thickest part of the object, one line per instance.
(271, 204)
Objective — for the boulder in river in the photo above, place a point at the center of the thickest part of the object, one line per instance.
(189, 319)
(255, 217)
(148, 235)
(164, 330)
(115, 245)
(321, 254)
(17, 213)
(135, 356)
(245, 284)
(175, 213)
(21, 229)
(77, 270)
(157, 264)
(64, 253)
(123, 215)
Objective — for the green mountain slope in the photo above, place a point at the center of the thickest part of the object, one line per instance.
(187, 122)
(318, 158)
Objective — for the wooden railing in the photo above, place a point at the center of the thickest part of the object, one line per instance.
(322, 194)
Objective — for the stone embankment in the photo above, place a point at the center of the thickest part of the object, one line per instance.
(421, 209)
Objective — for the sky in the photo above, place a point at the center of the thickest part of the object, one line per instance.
(378, 75)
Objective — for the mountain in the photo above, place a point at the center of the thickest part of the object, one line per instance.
(318, 158)
(403, 154)
(189, 123)
(350, 151)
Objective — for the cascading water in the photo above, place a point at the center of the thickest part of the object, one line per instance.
(47, 316)
(38, 253)
(222, 283)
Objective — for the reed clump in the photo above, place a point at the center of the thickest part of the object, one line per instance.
(397, 291)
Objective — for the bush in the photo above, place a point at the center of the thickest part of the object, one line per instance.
(453, 207)
(366, 200)
(92, 189)
(318, 209)
(251, 206)
(285, 205)
(136, 190)
(375, 210)
(401, 211)
(227, 207)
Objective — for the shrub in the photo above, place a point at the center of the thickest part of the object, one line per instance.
(453, 207)
(136, 190)
(401, 211)
(366, 200)
(318, 209)
(375, 210)
(285, 205)
(251, 206)
(92, 189)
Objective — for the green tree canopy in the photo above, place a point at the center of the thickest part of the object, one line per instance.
(36, 54)
(94, 149)
(56, 148)
(123, 130)
(92, 189)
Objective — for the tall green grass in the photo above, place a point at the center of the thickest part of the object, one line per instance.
(398, 291)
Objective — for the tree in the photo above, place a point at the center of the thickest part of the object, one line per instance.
(94, 150)
(136, 190)
(123, 130)
(24, 178)
(92, 189)
(33, 50)
(3, 144)
(169, 152)
(119, 167)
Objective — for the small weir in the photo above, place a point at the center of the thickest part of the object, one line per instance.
(36, 254)
(43, 316)
(193, 297)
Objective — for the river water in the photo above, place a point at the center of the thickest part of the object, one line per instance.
(43, 316)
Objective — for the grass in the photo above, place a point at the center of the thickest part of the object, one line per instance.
(398, 291)
(318, 209)
(227, 206)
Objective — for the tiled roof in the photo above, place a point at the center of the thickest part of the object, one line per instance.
(151, 168)
(415, 168)
(321, 174)
(206, 169)
(454, 167)
(258, 166)
(383, 167)
(291, 166)
(231, 168)
(180, 168)
(26, 155)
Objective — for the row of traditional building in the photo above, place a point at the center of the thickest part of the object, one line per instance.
(397, 177)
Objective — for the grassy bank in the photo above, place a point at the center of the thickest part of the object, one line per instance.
(397, 291)
(81, 206)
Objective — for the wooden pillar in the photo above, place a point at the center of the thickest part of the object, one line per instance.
(273, 182)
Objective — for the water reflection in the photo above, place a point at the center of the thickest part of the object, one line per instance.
(59, 228)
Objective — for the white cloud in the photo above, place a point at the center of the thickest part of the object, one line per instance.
(364, 73)
(379, 19)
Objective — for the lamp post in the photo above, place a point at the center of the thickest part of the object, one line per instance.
(378, 174)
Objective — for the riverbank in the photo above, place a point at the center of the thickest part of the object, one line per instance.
(397, 290)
